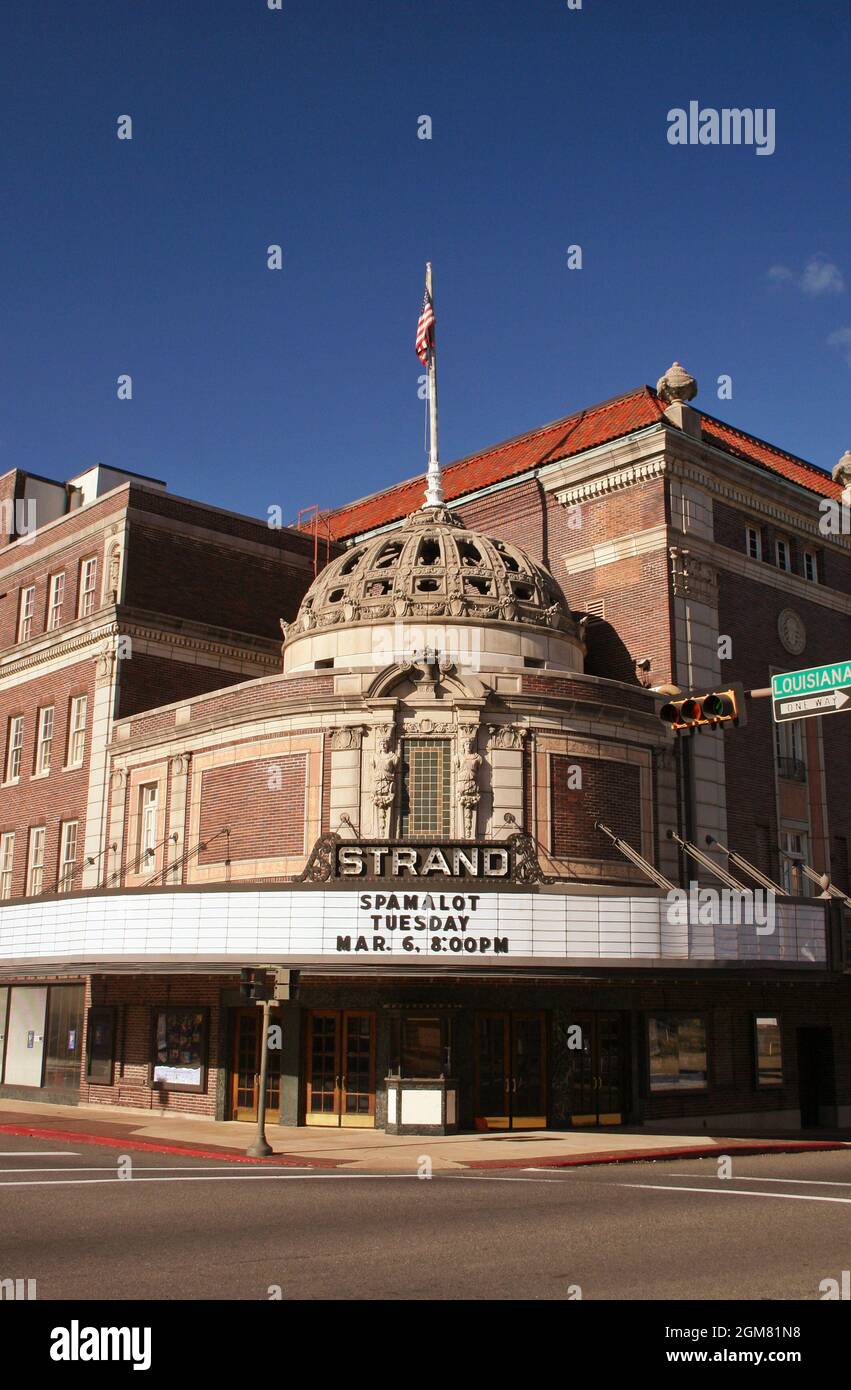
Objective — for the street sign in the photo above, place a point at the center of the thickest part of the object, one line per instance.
(818, 690)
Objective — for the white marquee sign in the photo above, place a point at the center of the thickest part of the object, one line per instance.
(419, 927)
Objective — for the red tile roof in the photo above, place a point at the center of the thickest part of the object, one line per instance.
(600, 424)
(747, 446)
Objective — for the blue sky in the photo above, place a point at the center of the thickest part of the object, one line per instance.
(298, 127)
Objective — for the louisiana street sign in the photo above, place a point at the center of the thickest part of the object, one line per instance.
(818, 690)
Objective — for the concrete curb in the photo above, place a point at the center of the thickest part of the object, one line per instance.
(111, 1141)
(655, 1155)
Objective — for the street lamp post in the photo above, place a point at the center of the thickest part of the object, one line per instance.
(261, 1148)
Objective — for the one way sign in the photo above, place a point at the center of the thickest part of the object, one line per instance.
(818, 690)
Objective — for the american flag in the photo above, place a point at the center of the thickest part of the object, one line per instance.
(425, 329)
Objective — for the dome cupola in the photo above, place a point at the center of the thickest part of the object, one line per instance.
(436, 584)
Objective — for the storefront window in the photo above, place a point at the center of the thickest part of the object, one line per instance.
(421, 1045)
(677, 1053)
(769, 1051)
(180, 1049)
(100, 1046)
(64, 1042)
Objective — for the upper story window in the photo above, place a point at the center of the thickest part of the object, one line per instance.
(7, 860)
(25, 613)
(67, 856)
(793, 855)
(148, 802)
(426, 804)
(791, 750)
(782, 555)
(811, 566)
(55, 601)
(88, 585)
(14, 748)
(77, 716)
(44, 741)
(35, 861)
(753, 542)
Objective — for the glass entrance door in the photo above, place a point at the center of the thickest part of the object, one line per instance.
(245, 1075)
(596, 1070)
(341, 1068)
(511, 1071)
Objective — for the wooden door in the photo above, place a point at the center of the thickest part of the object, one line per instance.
(340, 1068)
(511, 1071)
(245, 1071)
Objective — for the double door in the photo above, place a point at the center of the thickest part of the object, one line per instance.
(511, 1071)
(340, 1080)
(245, 1072)
(596, 1070)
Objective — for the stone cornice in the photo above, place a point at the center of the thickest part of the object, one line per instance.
(738, 495)
(59, 648)
(732, 562)
(727, 484)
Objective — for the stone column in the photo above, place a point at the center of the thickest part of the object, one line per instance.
(698, 669)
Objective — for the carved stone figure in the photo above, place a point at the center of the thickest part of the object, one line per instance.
(384, 765)
(467, 786)
(114, 570)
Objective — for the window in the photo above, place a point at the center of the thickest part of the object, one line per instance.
(753, 543)
(7, 858)
(768, 1051)
(147, 821)
(63, 1043)
(44, 741)
(781, 551)
(14, 748)
(67, 856)
(793, 853)
(35, 861)
(790, 749)
(55, 600)
(677, 1053)
(811, 566)
(426, 788)
(77, 730)
(180, 1048)
(88, 582)
(100, 1045)
(25, 613)
(421, 1044)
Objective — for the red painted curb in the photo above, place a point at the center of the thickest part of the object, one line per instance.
(67, 1136)
(640, 1155)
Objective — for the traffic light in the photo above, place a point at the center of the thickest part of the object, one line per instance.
(286, 985)
(253, 986)
(708, 711)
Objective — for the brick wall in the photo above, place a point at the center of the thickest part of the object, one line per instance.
(635, 591)
(135, 999)
(147, 681)
(609, 792)
(59, 796)
(241, 797)
(748, 613)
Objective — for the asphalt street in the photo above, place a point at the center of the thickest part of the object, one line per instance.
(83, 1226)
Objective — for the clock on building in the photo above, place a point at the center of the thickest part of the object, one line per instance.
(792, 631)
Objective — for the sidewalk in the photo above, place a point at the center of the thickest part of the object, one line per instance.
(120, 1128)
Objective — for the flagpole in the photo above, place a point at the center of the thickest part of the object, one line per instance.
(434, 486)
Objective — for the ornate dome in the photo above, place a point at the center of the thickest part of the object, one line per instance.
(433, 567)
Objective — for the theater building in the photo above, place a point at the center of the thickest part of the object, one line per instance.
(446, 800)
